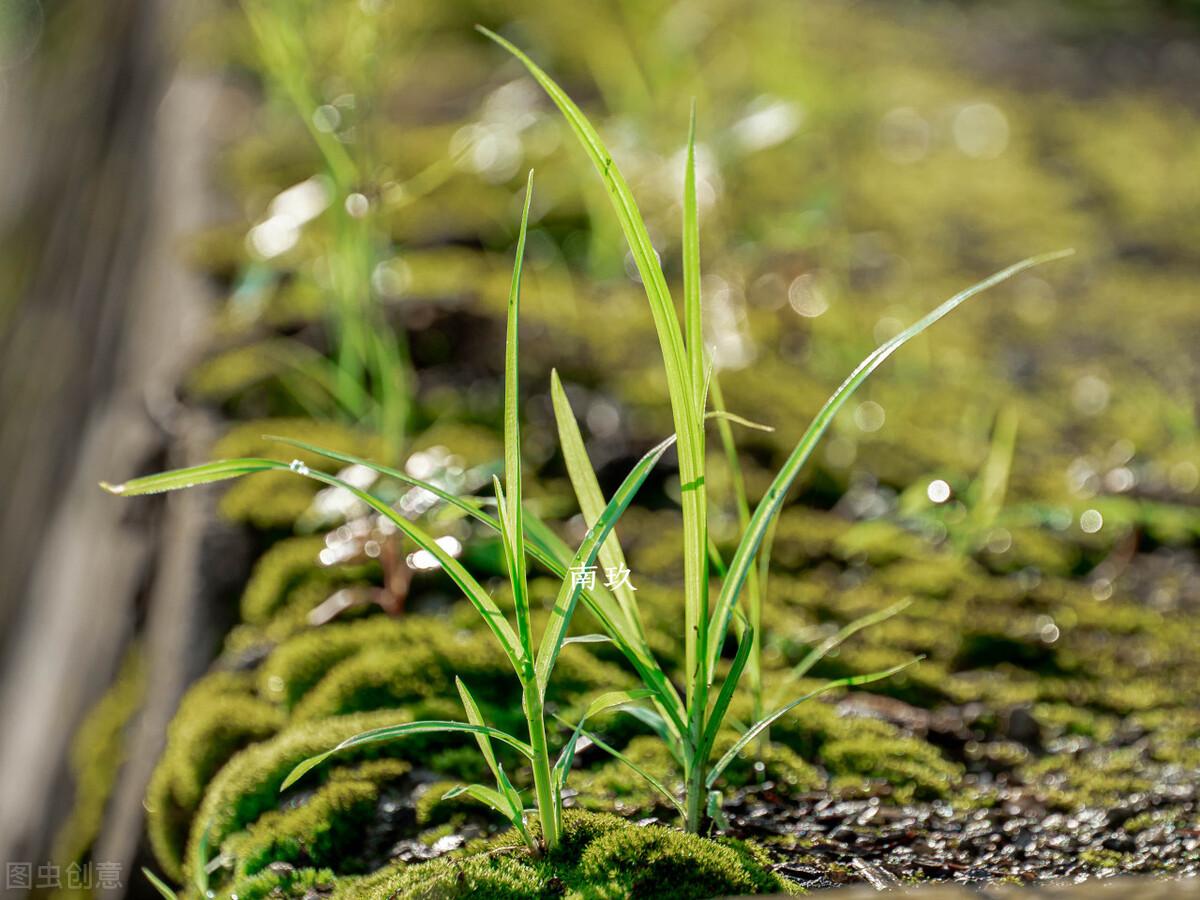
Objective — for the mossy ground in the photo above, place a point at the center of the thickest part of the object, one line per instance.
(1059, 662)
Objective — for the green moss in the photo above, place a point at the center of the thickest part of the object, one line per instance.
(601, 857)
(248, 785)
(217, 718)
(285, 883)
(656, 863)
(324, 830)
(97, 752)
(913, 768)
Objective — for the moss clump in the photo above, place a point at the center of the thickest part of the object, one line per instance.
(601, 857)
(326, 829)
(217, 718)
(248, 785)
(96, 756)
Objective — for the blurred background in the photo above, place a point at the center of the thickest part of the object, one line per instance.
(214, 214)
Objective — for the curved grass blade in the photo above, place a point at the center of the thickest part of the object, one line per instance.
(587, 491)
(475, 717)
(159, 885)
(479, 598)
(754, 730)
(568, 595)
(724, 415)
(646, 776)
(552, 552)
(632, 224)
(393, 732)
(772, 501)
(831, 643)
(498, 802)
(192, 476)
(683, 394)
(610, 700)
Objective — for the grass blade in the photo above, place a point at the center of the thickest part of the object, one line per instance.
(728, 688)
(754, 730)
(771, 503)
(177, 479)
(585, 556)
(831, 643)
(610, 700)
(634, 767)
(393, 732)
(226, 469)
(475, 717)
(692, 313)
(512, 443)
(588, 493)
(159, 885)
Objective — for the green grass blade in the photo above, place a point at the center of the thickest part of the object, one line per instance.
(630, 217)
(683, 393)
(512, 440)
(771, 503)
(220, 471)
(692, 314)
(483, 794)
(607, 701)
(501, 803)
(754, 730)
(634, 767)
(394, 732)
(831, 643)
(992, 483)
(474, 592)
(475, 717)
(728, 689)
(552, 552)
(588, 493)
(585, 556)
(177, 479)
(514, 560)
(159, 885)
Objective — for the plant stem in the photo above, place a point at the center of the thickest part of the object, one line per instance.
(543, 786)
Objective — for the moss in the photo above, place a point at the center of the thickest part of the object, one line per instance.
(1095, 778)
(248, 785)
(325, 829)
(600, 857)
(1102, 858)
(281, 568)
(878, 542)
(217, 718)
(656, 863)
(283, 882)
(97, 752)
(913, 768)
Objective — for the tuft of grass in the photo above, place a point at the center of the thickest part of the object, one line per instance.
(690, 724)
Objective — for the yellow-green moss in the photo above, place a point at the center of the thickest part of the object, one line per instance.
(218, 717)
(97, 753)
(601, 857)
(324, 830)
